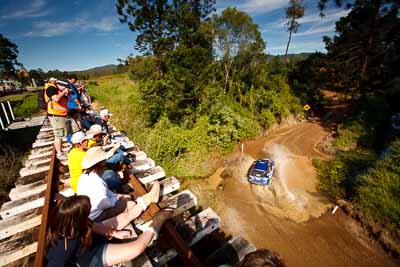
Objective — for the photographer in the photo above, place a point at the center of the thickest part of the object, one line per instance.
(73, 97)
(56, 97)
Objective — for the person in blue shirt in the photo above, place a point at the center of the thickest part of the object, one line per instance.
(73, 96)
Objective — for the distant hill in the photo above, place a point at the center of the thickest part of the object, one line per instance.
(292, 57)
(96, 72)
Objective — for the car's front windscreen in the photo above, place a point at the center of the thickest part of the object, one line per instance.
(257, 173)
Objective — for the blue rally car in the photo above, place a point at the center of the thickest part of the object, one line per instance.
(261, 171)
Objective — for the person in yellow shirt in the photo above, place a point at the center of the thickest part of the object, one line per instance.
(96, 136)
(75, 157)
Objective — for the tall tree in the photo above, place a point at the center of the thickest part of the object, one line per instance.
(363, 38)
(8, 58)
(162, 25)
(188, 17)
(294, 11)
(235, 34)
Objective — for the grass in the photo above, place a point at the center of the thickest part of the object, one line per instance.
(24, 104)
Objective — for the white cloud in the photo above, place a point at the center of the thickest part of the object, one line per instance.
(262, 6)
(297, 47)
(332, 16)
(322, 29)
(36, 9)
(80, 24)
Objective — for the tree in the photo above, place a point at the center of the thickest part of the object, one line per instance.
(294, 11)
(235, 34)
(8, 58)
(359, 48)
(162, 25)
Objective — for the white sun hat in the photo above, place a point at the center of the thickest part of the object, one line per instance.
(52, 79)
(104, 112)
(95, 155)
(94, 130)
(78, 137)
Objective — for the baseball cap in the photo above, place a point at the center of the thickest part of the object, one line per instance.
(52, 79)
(78, 137)
(104, 112)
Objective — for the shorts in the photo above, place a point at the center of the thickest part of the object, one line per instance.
(59, 126)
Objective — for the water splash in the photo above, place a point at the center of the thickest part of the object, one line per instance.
(279, 154)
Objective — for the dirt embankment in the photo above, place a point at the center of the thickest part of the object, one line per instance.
(289, 216)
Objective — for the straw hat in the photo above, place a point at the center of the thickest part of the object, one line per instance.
(95, 155)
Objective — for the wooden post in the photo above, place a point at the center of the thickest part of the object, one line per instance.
(186, 254)
(52, 177)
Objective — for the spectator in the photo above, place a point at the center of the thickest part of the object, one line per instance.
(73, 240)
(73, 123)
(97, 136)
(73, 99)
(87, 119)
(75, 158)
(85, 96)
(103, 120)
(262, 258)
(100, 139)
(56, 97)
(105, 203)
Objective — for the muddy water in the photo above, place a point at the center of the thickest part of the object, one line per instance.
(290, 216)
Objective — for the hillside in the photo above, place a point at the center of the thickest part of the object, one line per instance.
(97, 71)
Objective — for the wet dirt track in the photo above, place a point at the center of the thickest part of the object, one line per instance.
(302, 230)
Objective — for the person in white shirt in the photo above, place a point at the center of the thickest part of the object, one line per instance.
(106, 206)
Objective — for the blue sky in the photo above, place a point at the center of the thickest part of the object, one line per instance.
(77, 35)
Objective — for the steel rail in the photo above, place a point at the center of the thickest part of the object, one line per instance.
(52, 188)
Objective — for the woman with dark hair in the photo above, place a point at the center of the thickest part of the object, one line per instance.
(73, 239)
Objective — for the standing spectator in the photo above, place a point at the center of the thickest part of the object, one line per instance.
(56, 97)
(73, 99)
(73, 123)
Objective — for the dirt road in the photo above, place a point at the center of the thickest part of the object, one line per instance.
(290, 216)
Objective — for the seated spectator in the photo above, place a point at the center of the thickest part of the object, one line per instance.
(105, 203)
(87, 119)
(75, 157)
(98, 138)
(103, 120)
(262, 258)
(73, 123)
(73, 240)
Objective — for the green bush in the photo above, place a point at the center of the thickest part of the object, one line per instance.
(338, 177)
(93, 83)
(378, 192)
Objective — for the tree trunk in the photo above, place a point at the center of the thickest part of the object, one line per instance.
(287, 47)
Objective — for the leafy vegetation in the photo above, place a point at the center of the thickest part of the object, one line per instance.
(24, 105)
(202, 84)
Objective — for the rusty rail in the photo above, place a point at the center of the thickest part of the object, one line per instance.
(52, 182)
(187, 256)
